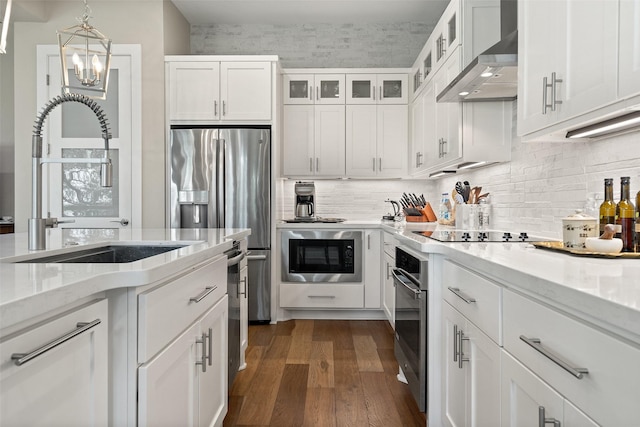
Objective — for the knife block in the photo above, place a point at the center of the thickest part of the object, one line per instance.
(427, 215)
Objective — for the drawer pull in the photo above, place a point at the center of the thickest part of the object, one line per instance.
(321, 296)
(537, 345)
(461, 358)
(204, 293)
(22, 358)
(464, 297)
(543, 420)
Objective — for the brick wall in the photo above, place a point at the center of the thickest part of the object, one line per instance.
(316, 45)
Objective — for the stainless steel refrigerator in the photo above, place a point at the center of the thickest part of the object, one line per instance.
(221, 178)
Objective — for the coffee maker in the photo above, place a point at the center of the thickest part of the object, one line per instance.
(305, 200)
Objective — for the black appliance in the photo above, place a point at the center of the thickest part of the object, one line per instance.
(410, 277)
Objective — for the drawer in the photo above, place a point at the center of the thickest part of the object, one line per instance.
(389, 244)
(477, 298)
(166, 311)
(609, 392)
(321, 295)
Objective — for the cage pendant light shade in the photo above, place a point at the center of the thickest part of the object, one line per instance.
(85, 57)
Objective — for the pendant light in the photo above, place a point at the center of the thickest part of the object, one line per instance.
(90, 54)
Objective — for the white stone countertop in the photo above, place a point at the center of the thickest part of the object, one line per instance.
(30, 289)
(602, 291)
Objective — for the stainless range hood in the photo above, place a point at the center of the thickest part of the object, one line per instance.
(492, 75)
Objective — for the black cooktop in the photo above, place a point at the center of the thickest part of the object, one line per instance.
(478, 236)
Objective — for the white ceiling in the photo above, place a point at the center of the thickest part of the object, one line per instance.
(310, 11)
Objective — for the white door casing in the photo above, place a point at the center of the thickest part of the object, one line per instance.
(125, 144)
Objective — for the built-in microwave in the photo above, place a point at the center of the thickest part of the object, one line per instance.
(322, 256)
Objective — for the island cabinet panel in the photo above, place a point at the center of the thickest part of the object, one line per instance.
(594, 371)
(165, 311)
(186, 383)
(68, 383)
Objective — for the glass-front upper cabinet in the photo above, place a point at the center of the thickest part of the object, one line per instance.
(447, 34)
(314, 88)
(377, 88)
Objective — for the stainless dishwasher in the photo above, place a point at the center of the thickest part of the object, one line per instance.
(234, 255)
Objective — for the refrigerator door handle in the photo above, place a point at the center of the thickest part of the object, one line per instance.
(222, 170)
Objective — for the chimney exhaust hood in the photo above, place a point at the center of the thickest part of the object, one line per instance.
(492, 75)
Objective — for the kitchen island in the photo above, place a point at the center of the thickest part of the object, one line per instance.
(115, 340)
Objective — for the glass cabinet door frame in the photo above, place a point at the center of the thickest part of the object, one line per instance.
(378, 88)
(310, 89)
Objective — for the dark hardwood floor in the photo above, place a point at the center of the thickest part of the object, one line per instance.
(321, 373)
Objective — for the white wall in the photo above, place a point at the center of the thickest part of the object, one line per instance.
(126, 22)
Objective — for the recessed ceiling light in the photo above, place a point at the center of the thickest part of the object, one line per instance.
(486, 74)
(463, 93)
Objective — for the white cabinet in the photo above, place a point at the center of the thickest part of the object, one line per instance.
(314, 140)
(388, 288)
(446, 35)
(422, 128)
(471, 352)
(308, 89)
(528, 401)
(244, 313)
(186, 383)
(376, 140)
(66, 384)
(629, 49)
(557, 42)
(371, 268)
(377, 88)
(183, 349)
(213, 91)
(593, 370)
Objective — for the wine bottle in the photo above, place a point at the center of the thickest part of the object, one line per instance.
(626, 216)
(638, 222)
(608, 207)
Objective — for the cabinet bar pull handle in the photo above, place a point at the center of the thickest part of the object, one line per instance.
(321, 296)
(380, 97)
(317, 164)
(224, 108)
(244, 287)
(388, 273)
(464, 297)
(579, 373)
(310, 164)
(545, 86)
(210, 357)
(204, 293)
(215, 108)
(369, 241)
(554, 100)
(317, 93)
(380, 164)
(461, 358)
(373, 92)
(22, 358)
(455, 343)
(310, 93)
(542, 419)
(374, 164)
(203, 360)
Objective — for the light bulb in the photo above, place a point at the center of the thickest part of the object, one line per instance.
(97, 65)
(76, 59)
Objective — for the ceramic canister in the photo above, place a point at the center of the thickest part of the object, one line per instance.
(576, 228)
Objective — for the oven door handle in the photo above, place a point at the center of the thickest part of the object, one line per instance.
(417, 293)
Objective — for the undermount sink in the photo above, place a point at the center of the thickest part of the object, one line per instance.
(109, 254)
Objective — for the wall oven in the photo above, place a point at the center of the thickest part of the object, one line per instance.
(410, 278)
(322, 256)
